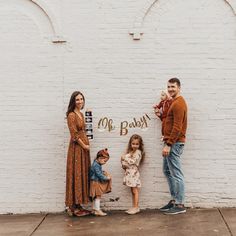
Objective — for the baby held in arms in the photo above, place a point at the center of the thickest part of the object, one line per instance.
(162, 107)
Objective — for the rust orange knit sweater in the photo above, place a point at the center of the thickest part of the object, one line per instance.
(176, 121)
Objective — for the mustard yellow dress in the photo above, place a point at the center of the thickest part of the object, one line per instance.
(78, 163)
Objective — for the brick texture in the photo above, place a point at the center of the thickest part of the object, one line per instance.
(121, 79)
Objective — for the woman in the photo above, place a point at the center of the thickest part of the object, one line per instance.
(78, 158)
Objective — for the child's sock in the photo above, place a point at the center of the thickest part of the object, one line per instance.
(96, 204)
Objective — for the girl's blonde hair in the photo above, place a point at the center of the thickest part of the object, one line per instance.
(141, 148)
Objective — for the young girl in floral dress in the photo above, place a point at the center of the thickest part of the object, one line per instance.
(130, 163)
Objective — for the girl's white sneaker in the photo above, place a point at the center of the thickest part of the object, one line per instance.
(99, 213)
(133, 211)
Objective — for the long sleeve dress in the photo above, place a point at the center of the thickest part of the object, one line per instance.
(130, 164)
(78, 163)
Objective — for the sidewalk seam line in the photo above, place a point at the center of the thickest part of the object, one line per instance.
(39, 224)
(231, 234)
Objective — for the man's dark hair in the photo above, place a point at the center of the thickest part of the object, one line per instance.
(175, 80)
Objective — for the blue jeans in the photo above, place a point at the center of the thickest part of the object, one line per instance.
(173, 172)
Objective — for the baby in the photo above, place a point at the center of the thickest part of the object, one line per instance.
(162, 107)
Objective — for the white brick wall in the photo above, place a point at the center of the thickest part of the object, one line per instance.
(121, 79)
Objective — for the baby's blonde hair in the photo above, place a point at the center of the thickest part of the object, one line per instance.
(165, 92)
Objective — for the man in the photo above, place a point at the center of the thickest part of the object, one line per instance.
(174, 138)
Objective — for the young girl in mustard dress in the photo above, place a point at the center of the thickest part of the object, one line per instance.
(130, 163)
(100, 181)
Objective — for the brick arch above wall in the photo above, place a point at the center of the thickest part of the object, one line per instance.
(47, 15)
(137, 30)
(57, 35)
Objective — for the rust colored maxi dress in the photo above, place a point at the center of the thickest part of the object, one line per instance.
(78, 163)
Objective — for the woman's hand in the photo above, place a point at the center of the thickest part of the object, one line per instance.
(83, 145)
(86, 147)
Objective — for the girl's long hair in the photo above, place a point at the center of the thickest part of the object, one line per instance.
(71, 106)
(141, 145)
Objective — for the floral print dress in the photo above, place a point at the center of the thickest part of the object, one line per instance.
(130, 163)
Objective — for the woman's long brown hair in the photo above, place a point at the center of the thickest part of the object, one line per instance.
(71, 106)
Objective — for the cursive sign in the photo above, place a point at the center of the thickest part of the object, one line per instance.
(107, 124)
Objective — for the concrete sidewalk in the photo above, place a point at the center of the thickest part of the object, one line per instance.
(197, 222)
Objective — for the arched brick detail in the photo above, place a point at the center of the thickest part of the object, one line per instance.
(137, 30)
(40, 5)
(57, 35)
